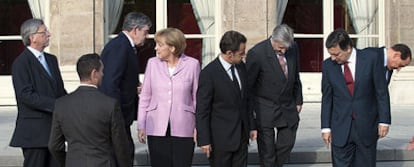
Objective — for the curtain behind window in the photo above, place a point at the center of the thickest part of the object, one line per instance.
(363, 14)
(204, 12)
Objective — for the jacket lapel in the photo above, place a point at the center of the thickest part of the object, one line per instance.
(360, 67)
(339, 75)
(274, 62)
(181, 64)
(222, 73)
(39, 66)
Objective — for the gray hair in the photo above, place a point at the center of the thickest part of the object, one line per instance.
(28, 28)
(284, 34)
(136, 19)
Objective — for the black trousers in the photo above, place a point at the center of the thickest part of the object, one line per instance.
(275, 153)
(170, 151)
(38, 157)
(237, 158)
(354, 153)
(131, 143)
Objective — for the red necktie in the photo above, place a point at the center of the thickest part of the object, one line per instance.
(349, 82)
(283, 64)
(348, 79)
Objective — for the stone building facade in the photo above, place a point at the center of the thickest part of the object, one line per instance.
(77, 27)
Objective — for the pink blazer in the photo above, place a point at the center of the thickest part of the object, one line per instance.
(166, 98)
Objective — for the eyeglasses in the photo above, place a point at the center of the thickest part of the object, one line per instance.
(42, 32)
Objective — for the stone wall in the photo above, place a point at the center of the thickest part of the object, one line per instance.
(74, 30)
(399, 29)
(253, 18)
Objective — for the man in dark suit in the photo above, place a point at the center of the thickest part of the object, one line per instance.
(394, 58)
(222, 120)
(121, 66)
(355, 102)
(90, 122)
(275, 94)
(37, 83)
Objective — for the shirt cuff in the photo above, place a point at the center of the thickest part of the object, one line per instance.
(384, 124)
(326, 130)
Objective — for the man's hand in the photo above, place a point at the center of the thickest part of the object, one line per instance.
(299, 108)
(253, 135)
(139, 88)
(382, 131)
(195, 136)
(326, 137)
(141, 136)
(207, 149)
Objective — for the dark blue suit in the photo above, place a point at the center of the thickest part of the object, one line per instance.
(387, 72)
(120, 78)
(370, 104)
(36, 93)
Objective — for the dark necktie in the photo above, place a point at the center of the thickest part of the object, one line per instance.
(348, 79)
(233, 75)
(135, 49)
(282, 63)
(388, 74)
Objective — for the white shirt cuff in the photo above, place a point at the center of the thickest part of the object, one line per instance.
(326, 130)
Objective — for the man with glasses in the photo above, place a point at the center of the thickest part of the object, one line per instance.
(119, 57)
(37, 84)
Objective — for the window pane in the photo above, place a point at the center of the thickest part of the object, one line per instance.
(181, 16)
(311, 54)
(12, 15)
(304, 16)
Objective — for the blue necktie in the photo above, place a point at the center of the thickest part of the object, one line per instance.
(42, 61)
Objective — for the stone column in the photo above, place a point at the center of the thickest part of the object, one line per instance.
(74, 30)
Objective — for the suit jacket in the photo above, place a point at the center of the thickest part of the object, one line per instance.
(221, 108)
(35, 94)
(387, 73)
(169, 99)
(120, 79)
(273, 96)
(92, 125)
(370, 102)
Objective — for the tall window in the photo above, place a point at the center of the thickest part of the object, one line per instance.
(313, 20)
(196, 18)
(12, 15)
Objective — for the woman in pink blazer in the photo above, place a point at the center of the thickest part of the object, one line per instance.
(166, 112)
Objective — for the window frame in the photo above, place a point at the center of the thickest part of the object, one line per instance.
(328, 26)
(161, 23)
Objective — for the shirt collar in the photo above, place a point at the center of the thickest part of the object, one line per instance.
(129, 39)
(35, 52)
(385, 57)
(352, 58)
(224, 63)
(89, 85)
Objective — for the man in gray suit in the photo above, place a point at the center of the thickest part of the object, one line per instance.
(90, 122)
(275, 90)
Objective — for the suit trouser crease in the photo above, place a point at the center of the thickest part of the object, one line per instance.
(38, 157)
(354, 153)
(277, 153)
(237, 158)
